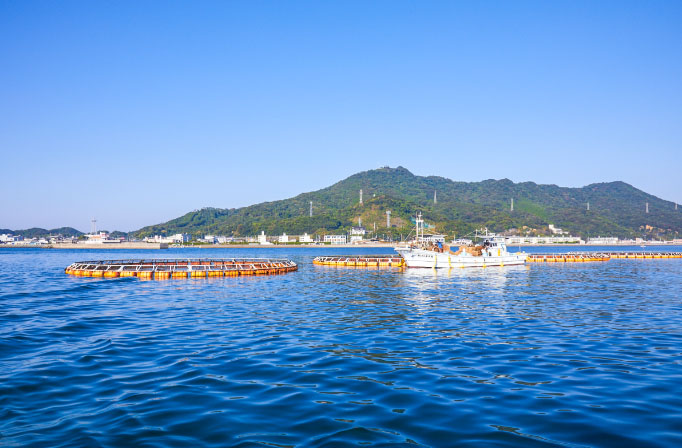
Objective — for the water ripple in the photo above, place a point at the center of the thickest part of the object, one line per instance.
(542, 355)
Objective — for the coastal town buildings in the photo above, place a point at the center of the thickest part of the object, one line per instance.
(100, 238)
(9, 238)
(520, 240)
(602, 241)
(178, 238)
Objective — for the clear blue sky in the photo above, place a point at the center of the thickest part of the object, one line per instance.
(138, 112)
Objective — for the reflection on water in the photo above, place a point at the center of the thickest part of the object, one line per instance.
(492, 278)
(540, 355)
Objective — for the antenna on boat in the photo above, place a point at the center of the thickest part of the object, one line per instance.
(93, 226)
(419, 227)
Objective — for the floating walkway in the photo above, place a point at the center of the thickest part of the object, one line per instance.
(366, 260)
(165, 269)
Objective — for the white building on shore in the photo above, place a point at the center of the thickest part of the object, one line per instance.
(99, 238)
(357, 234)
(335, 239)
(305, 238)
(434, 238)
(263, 239)
(556, 230)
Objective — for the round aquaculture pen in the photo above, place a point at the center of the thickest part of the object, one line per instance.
(166, 269)
(361, 261)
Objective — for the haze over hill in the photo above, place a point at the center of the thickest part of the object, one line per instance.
(616, 209)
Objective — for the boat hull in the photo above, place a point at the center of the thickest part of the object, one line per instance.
(419, 258)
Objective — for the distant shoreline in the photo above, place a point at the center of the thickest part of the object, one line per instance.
(161, 246)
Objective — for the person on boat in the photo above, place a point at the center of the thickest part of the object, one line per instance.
(440, 246)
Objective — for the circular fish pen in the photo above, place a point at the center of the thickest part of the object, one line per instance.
(165, 269)
(362, 261)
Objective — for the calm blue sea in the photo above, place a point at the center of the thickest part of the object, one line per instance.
(584, 354)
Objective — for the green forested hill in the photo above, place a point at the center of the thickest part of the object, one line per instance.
(616, 209)
(37, 232)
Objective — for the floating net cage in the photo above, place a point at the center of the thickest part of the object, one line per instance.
(598, 256)
(366, 260)
(163, 269)
(567, 258)
(643, 255)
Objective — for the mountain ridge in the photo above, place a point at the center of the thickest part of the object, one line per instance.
(616, 208)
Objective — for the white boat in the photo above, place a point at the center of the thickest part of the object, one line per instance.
(492, 252)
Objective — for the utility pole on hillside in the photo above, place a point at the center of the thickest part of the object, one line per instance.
(311, 209)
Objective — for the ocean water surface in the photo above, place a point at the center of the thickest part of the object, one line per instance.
(575, 354)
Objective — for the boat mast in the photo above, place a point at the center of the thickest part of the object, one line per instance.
(420, 226)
